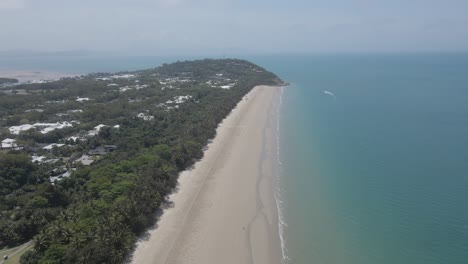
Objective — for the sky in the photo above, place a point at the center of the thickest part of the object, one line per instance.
(195, 27)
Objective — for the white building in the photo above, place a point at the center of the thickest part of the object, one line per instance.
(145, 117)
(60, 177)
(45, 127)
(9, 143)
(51, 146)
(85, 160)
(83, 99)
(38, 159)
(179, 99)
(96, 130)
(15, 130)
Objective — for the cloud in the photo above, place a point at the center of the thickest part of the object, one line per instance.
(11, 4)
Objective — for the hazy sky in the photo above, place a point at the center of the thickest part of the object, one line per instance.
(234, 26)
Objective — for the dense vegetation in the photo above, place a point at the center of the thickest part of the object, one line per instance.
(95, 215)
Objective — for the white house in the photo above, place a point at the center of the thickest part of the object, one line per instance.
(145, 117)
(51, 146)
(9, 143)
(82, 99)
(96, 130)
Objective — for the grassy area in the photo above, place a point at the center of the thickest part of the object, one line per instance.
(8, 251)
(15, 253)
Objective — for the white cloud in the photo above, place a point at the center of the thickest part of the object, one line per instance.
(11, 4)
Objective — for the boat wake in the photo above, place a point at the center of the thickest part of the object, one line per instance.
(331, 94)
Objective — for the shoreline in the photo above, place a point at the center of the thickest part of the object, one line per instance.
(278, 194)
(225, 208)
(24, 76)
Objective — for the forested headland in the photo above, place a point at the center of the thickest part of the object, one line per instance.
(86, 162)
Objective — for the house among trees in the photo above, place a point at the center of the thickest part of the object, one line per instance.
(85, 160)
(110, 148)
(9, 143)
(53, 145)
(103, 150)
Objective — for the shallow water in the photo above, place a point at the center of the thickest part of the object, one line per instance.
(375, 157)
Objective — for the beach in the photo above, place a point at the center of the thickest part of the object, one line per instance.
(224, 210)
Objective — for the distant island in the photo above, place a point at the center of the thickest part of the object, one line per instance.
(85, 162)
(7, 80)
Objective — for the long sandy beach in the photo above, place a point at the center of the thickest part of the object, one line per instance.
(224, 210)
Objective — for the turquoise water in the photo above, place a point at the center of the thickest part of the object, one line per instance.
(378, 174)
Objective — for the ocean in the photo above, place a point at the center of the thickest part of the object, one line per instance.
(85, 64)
(374, 152)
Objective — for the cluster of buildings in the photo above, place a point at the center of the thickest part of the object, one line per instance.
(50, 153)
(219, 81)
(43, 127)
(46, 151)
(116, 76)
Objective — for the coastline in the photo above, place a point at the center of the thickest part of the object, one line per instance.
(24, 76)
(225, 209)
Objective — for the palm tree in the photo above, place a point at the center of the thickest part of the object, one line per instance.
(42, 241)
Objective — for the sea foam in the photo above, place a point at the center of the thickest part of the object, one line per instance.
(278, 194)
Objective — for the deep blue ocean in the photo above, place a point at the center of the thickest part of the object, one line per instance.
(374, 151)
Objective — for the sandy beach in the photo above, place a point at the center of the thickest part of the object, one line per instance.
(224, 210)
